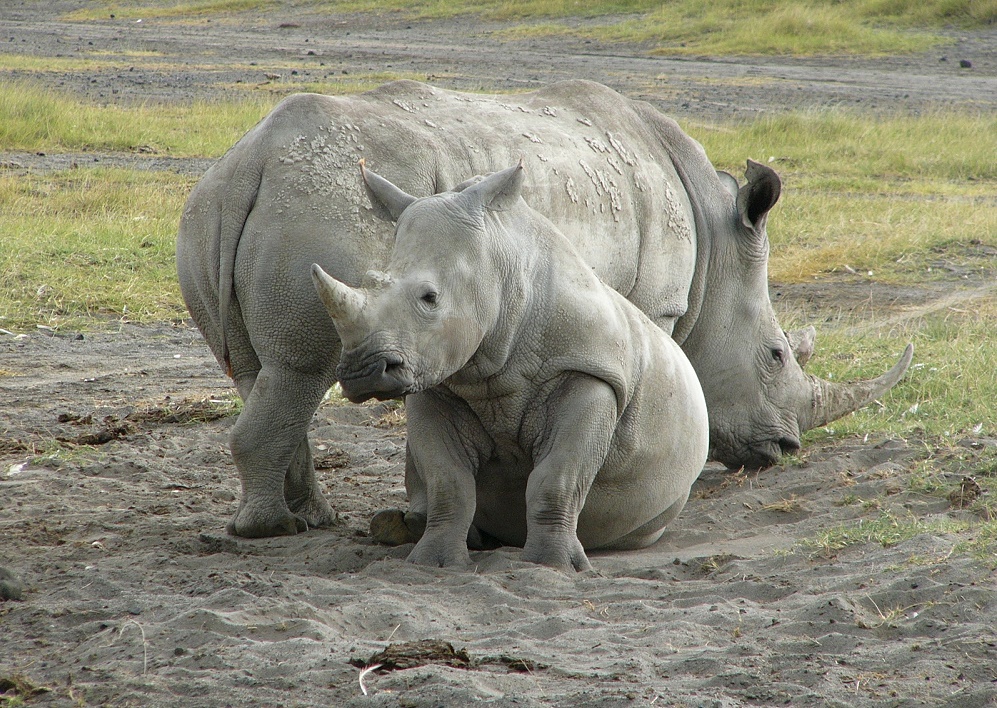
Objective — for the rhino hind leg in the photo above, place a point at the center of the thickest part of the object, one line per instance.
(648, 533)
(269, 443)
(302, 491)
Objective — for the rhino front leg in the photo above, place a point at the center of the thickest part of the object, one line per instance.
(394, 527)
(444, 440)
(270, 447)
(576, 435)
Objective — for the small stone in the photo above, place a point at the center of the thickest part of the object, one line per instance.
(965, 64)
(223, 495)
(11, 587)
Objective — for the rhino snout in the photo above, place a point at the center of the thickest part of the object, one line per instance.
(757, 455)
(382, 377)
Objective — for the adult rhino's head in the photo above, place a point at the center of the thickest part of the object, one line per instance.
(760, 399)
(418, 324)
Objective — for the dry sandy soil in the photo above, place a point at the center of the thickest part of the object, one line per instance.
(132, 593)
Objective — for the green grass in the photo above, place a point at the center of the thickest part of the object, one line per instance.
(747, 27)
(887, 529)
(86, 246)
(140, 9)
(974, 538)
(39, 119)
(940, 475)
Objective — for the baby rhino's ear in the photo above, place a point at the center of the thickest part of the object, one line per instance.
(384, 194)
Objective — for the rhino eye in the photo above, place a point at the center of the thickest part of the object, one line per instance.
(778, 355)
(430, 297)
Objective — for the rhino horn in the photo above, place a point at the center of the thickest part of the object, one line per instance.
(499, 190)
(833, 400)
(343, 303)
(384, 193)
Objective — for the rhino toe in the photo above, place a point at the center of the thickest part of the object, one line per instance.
(248, 525)
(315, 512)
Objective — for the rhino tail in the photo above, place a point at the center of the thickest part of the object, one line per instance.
(239, 200)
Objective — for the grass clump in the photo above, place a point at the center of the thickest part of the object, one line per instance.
(971, 538)
(139, 9)
(888, 529)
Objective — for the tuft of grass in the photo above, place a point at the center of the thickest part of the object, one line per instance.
(791, 505)
(888, 529)
(141, 9)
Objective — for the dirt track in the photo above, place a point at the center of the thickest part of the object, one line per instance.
(134, 595)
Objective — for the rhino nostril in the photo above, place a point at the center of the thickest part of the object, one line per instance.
(393, 362)
(789, 446)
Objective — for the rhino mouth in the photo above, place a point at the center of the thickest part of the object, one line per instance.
(757, 456)
(381, 376)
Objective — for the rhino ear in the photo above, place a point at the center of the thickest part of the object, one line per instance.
(500, 190)
(384, 194)
(801, 341)
(759, 195)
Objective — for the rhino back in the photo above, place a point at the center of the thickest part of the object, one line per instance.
(602, 175)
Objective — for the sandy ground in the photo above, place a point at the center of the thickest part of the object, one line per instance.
(116, 481)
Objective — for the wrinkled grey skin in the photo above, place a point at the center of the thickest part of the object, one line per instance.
(636, 196)
(543, 408)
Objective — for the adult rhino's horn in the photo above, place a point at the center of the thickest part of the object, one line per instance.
(384, 193)
(833, 400)
(343, 303)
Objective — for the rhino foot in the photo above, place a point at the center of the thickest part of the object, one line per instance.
(562, 553)
(393, 527)
(248, 524)
(440, 551)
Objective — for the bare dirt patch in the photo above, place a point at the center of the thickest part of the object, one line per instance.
(116, 481)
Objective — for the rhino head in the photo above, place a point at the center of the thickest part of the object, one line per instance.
(760, 399)
(417, 325)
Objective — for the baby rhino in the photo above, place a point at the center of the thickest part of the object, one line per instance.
(544, 409)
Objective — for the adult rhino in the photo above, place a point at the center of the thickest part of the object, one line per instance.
(637, 197)
(544, 409)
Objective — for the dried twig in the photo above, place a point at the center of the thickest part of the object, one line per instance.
(145, 644)
(363, 672)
